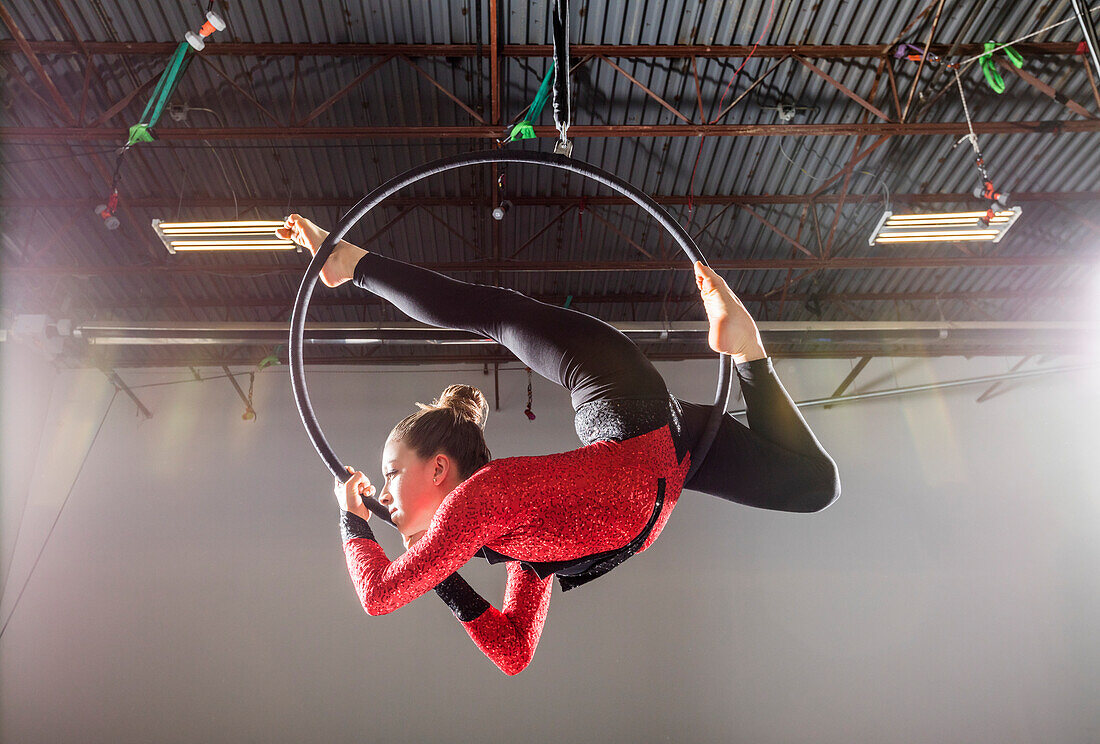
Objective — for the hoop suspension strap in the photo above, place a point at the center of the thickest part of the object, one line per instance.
(563, 88)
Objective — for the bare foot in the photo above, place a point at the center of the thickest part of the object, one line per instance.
(732, 329)
(340, 266)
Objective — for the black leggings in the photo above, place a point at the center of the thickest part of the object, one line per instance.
(774, 463)
(590, 358)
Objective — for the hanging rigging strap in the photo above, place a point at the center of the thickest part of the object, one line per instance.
(525, 129)
(166, 85)
(563, 89)
(969, 125)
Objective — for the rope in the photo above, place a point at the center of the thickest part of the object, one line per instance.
(49, 534)
(973, 137)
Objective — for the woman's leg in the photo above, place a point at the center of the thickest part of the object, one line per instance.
(775, 462)
(593, 360)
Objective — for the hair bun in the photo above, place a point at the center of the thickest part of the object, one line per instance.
(466, 401)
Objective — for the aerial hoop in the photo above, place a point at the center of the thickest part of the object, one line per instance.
(382, 192)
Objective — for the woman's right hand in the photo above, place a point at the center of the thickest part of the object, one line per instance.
(349, 495)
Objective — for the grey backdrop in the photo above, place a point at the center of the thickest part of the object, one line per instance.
(193, 588)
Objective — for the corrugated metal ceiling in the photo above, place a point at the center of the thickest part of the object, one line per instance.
(284, 172)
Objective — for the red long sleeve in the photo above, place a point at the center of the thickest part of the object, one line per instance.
(546, 508)
(509, 636)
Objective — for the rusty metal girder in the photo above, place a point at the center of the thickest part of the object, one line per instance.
(21, 44)
(182, 267)
(1046, 89)
(883, 129)
(171, 200)
(130, 357)
(144, 302)
(622, 51)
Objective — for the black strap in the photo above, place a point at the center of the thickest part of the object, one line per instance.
(563, 94)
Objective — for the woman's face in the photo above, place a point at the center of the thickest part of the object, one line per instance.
(411, 491)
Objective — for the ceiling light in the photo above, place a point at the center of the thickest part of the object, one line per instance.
(951, 226)
(232, 235)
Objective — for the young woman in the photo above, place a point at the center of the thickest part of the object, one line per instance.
(576, 514)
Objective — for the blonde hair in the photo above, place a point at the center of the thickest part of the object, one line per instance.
(453, 424)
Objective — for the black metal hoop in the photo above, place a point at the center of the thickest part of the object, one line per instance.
(382, 192)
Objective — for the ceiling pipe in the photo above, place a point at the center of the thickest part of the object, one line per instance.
(233, 333)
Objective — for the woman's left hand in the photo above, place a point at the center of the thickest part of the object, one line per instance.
(349, 495)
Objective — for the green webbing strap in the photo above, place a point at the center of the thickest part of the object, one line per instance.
(989, 68)
(166, 85)
(525, 129)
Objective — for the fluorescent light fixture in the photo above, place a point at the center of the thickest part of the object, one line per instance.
(233, 235)
(953, 226)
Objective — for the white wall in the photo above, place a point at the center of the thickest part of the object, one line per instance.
(193, 588)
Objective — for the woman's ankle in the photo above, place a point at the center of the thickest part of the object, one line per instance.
(749, 355)
(350, 256)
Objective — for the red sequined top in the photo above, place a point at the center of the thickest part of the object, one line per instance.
(543, 508)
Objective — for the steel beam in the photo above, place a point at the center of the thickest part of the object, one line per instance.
(621, 51)
(494, 63)
(990, 392)
(646, 90)
(852, 163)
(236, 86)
(365, 300)
(14, 74)
(172, 200)
(248, 410)
(112, 375)
(1045, 89)
(841, 87)
(139, 357)
(849, 379)
(555, 220)
(214, 333)
(996, 379)
(123, 102)
(337, 95)
(884, 129)
(462, 104)
(923, 58)
(752, 212)
(184, 267)
(24, 46)
(745, 92)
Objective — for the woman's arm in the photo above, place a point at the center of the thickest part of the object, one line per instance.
(383, 585)
(472, 515)
(509, 636)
